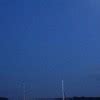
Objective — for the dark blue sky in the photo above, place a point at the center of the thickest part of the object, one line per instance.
(45, 41)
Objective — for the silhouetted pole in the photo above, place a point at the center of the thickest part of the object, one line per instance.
(63, 90)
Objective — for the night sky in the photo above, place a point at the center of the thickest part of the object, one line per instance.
(45, 41)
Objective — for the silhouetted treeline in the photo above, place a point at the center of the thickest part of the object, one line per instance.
(86, 98)
(73, 98)
(3, 98)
